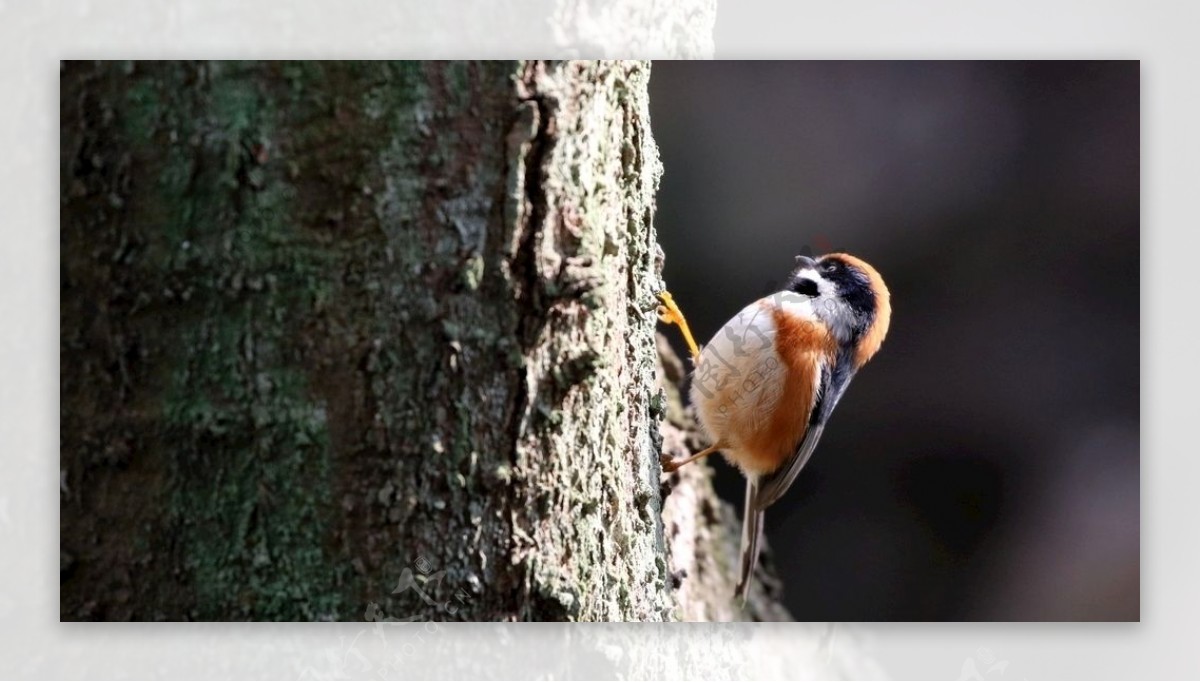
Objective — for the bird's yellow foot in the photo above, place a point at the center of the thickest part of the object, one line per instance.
(669, 313)
(670, 464)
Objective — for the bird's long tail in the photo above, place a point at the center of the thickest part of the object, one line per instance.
(752, 523)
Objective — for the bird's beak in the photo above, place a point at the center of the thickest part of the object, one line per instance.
(805, 262)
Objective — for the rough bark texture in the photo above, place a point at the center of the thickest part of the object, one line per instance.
(345, 341)
(678, 30)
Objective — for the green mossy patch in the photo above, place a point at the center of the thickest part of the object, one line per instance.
(251, 460)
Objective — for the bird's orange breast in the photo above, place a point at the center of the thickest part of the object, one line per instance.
(802, 345)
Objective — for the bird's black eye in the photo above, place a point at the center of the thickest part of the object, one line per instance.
(829, 266)
(805, 287)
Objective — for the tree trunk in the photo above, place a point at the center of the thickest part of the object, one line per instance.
(346, 341)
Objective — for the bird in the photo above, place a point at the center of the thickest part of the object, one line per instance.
(767, 382)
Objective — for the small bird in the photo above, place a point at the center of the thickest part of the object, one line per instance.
(766, 383)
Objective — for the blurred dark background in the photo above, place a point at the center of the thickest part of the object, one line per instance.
(985, 466)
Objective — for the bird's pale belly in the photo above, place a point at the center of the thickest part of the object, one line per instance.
(747, 397)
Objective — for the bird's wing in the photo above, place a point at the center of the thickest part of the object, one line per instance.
(834, 379)
(776, 484)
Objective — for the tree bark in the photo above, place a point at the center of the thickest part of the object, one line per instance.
(346, 341)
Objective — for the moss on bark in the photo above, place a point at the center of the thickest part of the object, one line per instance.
(360, 340)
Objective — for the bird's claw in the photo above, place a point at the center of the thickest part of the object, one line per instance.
(669, 313)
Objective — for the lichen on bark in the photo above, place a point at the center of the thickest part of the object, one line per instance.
(362, 340)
